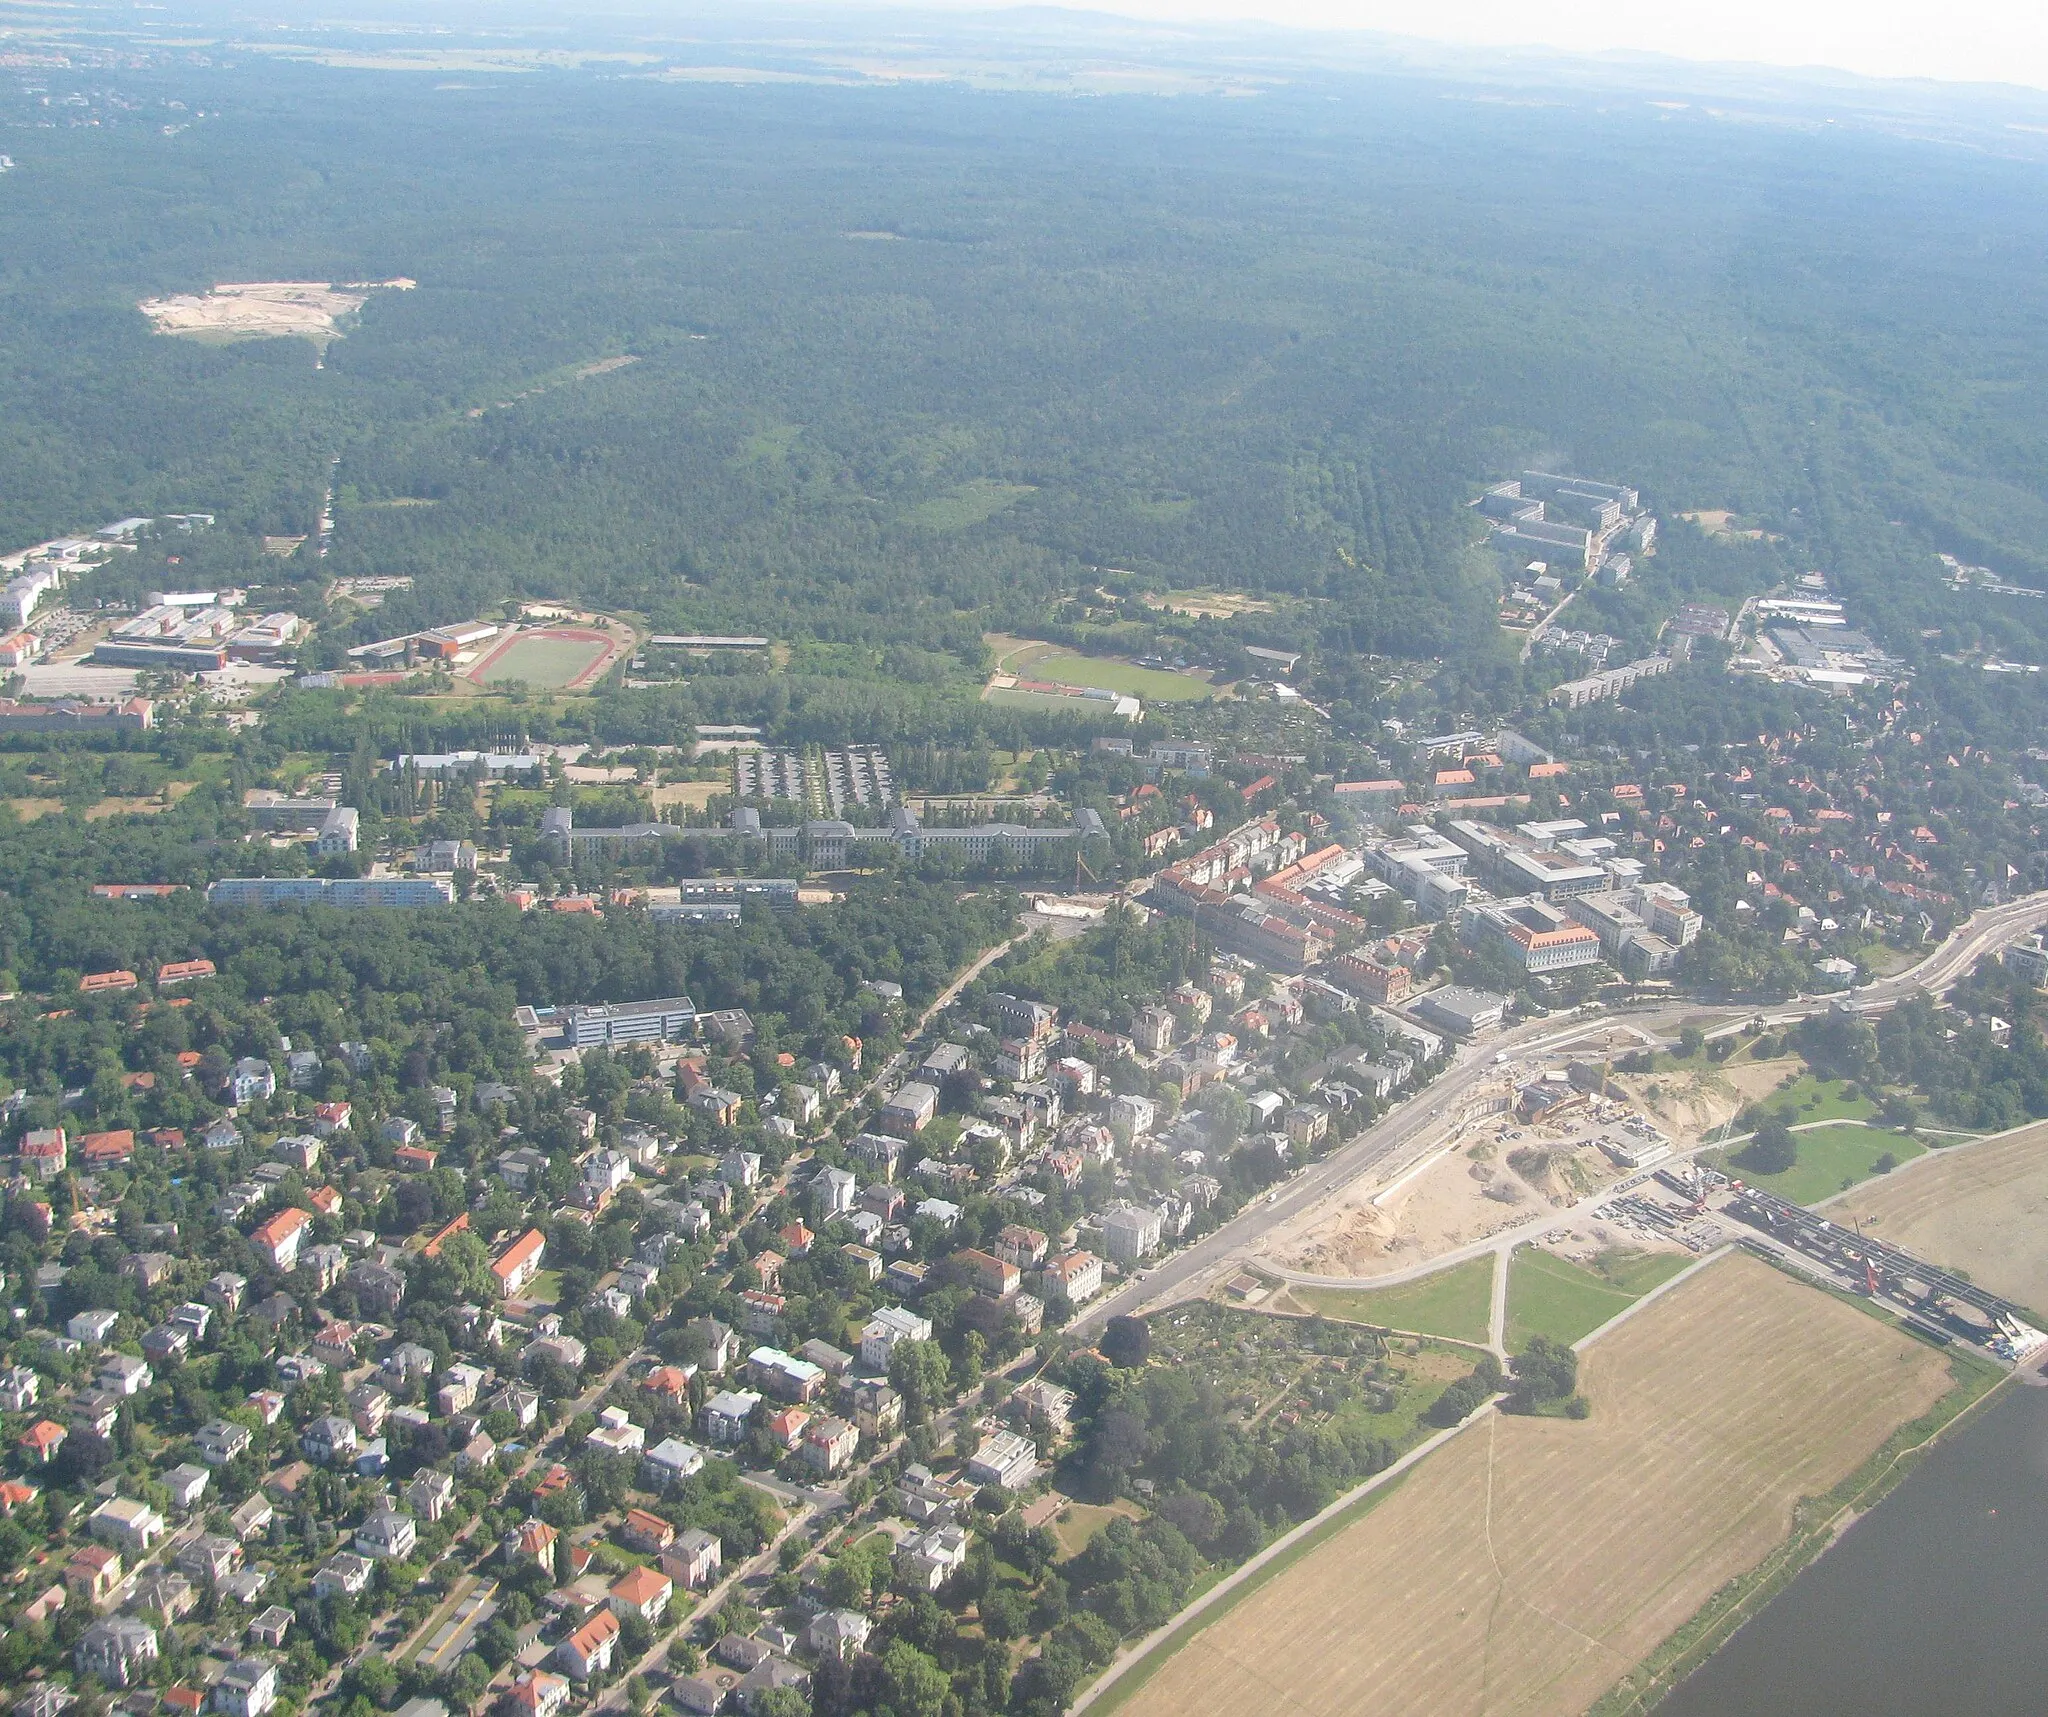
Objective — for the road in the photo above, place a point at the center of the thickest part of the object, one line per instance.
(1191, 1271)
(945, 999)
(376, 1642)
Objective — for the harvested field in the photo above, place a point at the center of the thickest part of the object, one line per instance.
(1531, 1563)
(1982, 1209)
(691, 795)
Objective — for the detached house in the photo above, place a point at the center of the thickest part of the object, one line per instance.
(279, 1239)
(590, 1649)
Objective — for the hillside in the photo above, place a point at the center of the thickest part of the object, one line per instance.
(910, 360)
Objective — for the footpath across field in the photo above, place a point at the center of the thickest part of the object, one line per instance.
(1530, 1564)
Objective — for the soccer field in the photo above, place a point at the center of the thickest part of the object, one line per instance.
(555, 660)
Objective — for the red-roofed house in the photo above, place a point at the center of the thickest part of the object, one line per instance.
(41, 1441)
(644, 1531)
(432, 1249)
(102, 1150)
(589, 1650)
(279, 1239)
(520, 1262)
(643, 1592)
(537, 1694)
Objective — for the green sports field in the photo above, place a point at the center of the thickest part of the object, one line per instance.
(1159, 685)
(543, 659)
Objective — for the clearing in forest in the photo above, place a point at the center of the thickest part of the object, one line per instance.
(1207, 604)
(263, 309)
(1981, 1208)
(1531, 1563)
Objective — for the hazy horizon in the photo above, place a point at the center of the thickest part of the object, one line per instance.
(1971, 41)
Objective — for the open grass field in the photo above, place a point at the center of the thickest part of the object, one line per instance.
(1981, 1209)
(1454, 1302)
(970, 504)
(1550, 1296)
(1076, 1525)
(1811, 1099)
(556, 659)
(1832, 1159)
(1531, 1563)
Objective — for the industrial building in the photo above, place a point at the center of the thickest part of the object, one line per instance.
(1464, 1012)
(352, 891)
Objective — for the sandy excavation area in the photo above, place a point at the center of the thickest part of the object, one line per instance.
(1689, 1105)
(263, 309)
(1532, 1563)
(1980, 1209)
(1499, 1174)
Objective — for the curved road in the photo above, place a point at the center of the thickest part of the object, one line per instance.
(1190, 1271)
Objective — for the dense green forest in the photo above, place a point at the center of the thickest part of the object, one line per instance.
(910, 362)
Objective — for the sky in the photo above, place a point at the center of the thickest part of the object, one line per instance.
(1975, 41)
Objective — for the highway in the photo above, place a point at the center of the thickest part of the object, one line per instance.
(1192, 1270)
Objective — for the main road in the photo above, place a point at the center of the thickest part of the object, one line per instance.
(1191, 1270)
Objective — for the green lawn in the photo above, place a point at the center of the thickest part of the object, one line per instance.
(1832, 1159)
(1564, 1301)
(545, 1288)
(1453, 1303)
(971, 504)
(1161, 685)
(1813, 1099)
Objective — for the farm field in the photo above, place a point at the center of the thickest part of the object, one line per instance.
(1982, 1209)
(1455, 1303)
(1531, 1563)
(1832, 1159)
(558, 660)
(1551, 1296)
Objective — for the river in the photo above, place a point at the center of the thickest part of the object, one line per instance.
(1933, 1602)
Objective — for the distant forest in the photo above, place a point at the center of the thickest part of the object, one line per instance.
(909, 362)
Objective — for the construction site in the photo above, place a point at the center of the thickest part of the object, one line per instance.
(1526, 1147)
